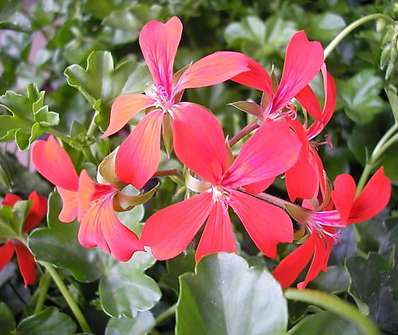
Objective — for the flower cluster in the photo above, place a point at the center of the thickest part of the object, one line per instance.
(281, 143)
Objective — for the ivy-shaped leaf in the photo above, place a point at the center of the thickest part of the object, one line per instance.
(140, 325)
(49, 321)
(126, 290)
(28, 119)
(58, 245)
(325, 323)
(360, 96)
(12, 219)
(259, 38)
(374, 282)
(101, 81)
(226, 297)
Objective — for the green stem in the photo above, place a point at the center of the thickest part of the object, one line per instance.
(43, 289)
(166, 314)
(59, 134)
(334, 304)
(347, 30)
(92, 126)
(389, 138)
(67, 296)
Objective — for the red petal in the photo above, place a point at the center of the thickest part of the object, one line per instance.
(101, 227)
(293, 264)
(343, 195)
(329, 87)
(70, 206)
(159, 42)
(257, 77)
(169, 231)
(6, 253)
(259, 187)
(272, 150)
(307, 98)
(10, 199)
(217, 235)
(54, 164)
(26, 264)
(213, 69)
(124, 108)
(266, 224)
(323, 247)
(372, 200)
(303, 61)
(37, 211)
(302, 180)
(138, 156)
(199, 141)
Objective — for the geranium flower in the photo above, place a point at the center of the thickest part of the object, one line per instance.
(303, 61)
(83, 199)
(323, 226)
(25, 259)
(139, 155)
(271, 151)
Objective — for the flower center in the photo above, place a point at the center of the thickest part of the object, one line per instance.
(220, 193)
(325, 223)
(161, 96)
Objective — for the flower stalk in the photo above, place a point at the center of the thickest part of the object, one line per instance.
(67, 296)
(347, 30)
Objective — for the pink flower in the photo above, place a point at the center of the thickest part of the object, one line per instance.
(200, 146)
(304, 60)
(26, 261)
(323, 226)
(139, 155)
(85, 200)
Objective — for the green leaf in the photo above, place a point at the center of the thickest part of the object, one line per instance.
(335, 280)
(225, 296)
(58, 245)
(139, 325)
(29, 116)
(324, 323)
(12, 219)
(126, 290)
(49, 322)
(360, 96)
(7, 321)
(324, 26)
(374, 281)
(101, 81)
(259, 38)
(14, 177)
(177, 266)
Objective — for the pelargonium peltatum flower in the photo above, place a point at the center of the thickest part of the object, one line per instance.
(139, 155)
(324, 225)
(268, 153)
(25, 259)
(83, 199)
(303, 61)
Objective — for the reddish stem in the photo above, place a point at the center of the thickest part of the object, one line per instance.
(243, 132)
(170, 172)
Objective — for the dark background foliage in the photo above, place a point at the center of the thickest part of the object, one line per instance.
(40, 39)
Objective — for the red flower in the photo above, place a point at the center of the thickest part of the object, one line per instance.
(200, 146)
(89, 202)
(139, 155)
(304, 60)
(26, 262)
(323, 226)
